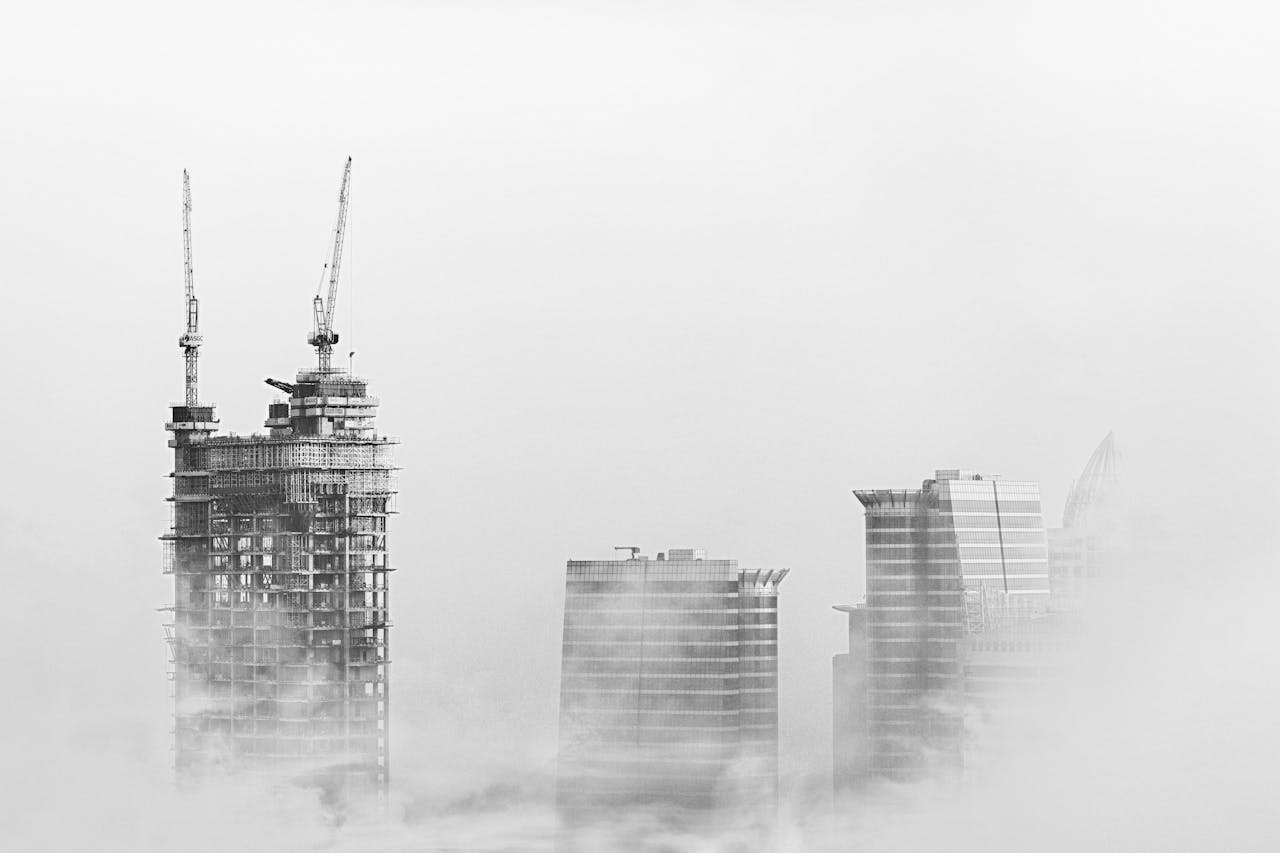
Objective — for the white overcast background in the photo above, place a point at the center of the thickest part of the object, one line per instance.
(657, 274)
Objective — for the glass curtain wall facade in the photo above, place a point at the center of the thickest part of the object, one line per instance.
(669, 684)
(914, 630)
(1000, 541)
(963, 555)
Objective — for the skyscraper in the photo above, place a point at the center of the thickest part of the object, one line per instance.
(278, 551)
(280, 571)
(669, 683)
(961, 556)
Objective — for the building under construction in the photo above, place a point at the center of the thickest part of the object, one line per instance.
(278, 550)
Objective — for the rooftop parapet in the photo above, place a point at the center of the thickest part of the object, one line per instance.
(961, 474)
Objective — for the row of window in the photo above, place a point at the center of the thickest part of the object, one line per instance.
(941, 539)
(660, 618)
(674, 665)
(692, 602)
(973, 504)
(303, 542)
(578, 586)
(275, 748)
(661, 719)
(670, 637)
(667, 703)
(268, 725)
(190, 652)
(230, 617)
(576, 681)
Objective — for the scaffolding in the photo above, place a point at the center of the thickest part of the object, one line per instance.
(278, 549)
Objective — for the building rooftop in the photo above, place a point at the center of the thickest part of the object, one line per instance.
(961, 474)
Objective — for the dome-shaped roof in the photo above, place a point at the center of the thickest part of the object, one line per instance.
(1097, 482)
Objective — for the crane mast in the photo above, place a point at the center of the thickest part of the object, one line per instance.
(190, 340)
(324, 337)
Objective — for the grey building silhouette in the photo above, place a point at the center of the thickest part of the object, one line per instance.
(962, 556)
(669, 682)
(1082, 552)
(851, 756)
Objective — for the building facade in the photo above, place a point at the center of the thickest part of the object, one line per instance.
(278, 551)
(960, 557)
(669, 687)
(850, 759)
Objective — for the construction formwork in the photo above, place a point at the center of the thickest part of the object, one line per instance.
(278, 549)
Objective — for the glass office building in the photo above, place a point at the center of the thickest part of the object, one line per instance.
(961, 556)
(1000, 546)
(669, 688)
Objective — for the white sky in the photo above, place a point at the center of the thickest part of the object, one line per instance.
(660, 274)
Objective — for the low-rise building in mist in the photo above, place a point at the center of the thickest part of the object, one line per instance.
(669, 688)
(960, 557)
(851, 756)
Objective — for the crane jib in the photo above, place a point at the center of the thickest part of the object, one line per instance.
(190, 342)
(324, 337)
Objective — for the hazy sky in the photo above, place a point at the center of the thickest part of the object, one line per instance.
(662, 274)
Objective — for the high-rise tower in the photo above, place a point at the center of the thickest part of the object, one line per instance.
(669, 688)
(960, 557)
(278, 549)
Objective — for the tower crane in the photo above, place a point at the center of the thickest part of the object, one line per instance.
(324, 337)
(190, 340)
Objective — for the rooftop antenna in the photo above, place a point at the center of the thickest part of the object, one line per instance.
(190, 340)
(324, 337)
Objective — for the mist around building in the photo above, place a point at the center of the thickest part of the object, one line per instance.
(985, 634)
(685, 444)
(975, 612)
(996, 687)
